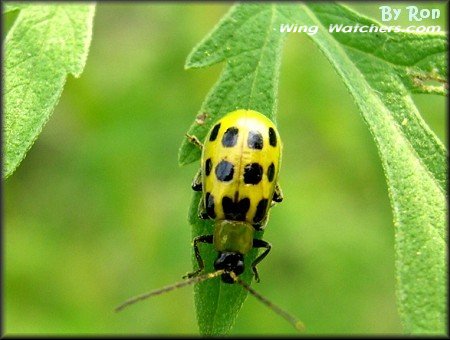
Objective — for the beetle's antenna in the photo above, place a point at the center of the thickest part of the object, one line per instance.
(290, 318)
(166, 289)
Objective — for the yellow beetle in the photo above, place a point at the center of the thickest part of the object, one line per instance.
(241, 159)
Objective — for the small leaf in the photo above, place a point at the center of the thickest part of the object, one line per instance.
(247, 39)
(381, 70)
(45, 43)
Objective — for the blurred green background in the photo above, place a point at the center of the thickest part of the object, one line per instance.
(97, 212)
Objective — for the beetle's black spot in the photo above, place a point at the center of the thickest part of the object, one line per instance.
(255, 140)
(272, 137)
(260, 210)
(224, 171)
(209, 200)
(208, 166)
(253, 173)
(271, 172)
(235, 211)
(214, 132)
(230, 136)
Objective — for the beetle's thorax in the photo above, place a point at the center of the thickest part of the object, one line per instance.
(233, 236)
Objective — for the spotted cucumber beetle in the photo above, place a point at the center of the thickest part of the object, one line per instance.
(238, 178)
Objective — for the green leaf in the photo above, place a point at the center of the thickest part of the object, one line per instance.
(245, 38)
(381, 70)
(45, 43)
(13, 6)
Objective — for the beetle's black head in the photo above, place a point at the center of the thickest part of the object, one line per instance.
(231, 262)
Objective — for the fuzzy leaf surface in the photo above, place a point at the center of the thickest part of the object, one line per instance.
(44, 45)
(381, 71)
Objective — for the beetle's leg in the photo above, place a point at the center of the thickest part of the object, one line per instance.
(260, 244)
(197, 182)
(194, 140)
(277, 195)
(201, 264)
(261, 224)
(202, 213)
